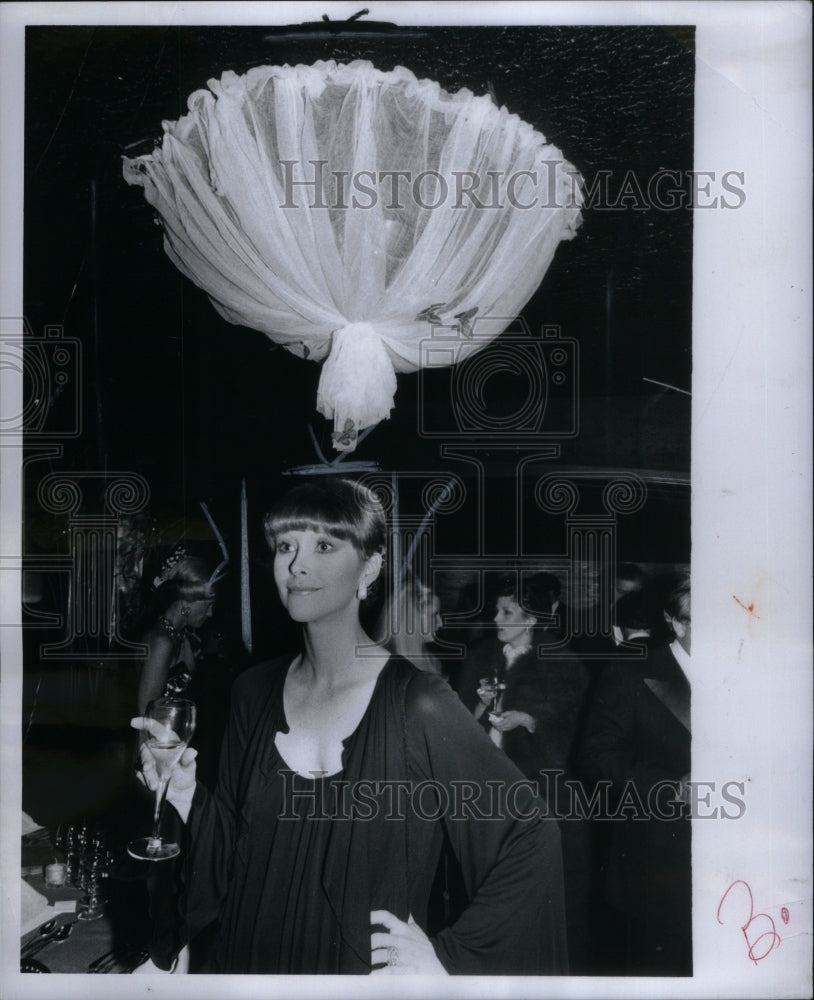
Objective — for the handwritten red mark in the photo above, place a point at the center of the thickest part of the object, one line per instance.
(785, 916)
(746, 607)
(758, 929)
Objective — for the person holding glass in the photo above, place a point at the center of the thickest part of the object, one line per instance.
(527, 688)
(343, 769)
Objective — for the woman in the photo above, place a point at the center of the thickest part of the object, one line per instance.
(183, 601)
(527, 690)
(316, 853)
(410, 623)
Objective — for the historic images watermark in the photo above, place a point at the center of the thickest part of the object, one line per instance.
(461, 800)
(49, 367)
(43, 373)
(555, 184)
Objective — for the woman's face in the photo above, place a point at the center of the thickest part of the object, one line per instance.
(512, 622)
(318, 574)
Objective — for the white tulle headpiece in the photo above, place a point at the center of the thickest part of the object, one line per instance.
(349, 213)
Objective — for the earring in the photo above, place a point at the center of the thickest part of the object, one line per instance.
(185, 611)
(361, 591)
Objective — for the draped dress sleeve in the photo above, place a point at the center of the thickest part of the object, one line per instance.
(507, 846)
(215, 824)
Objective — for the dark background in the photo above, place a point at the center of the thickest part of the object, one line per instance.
(168, 389)
(174, 392)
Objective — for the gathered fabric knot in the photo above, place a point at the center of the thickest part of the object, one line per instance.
(357, 385)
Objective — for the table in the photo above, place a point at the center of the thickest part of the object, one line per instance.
(122, 929)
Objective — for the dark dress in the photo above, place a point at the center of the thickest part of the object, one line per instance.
(291, 867)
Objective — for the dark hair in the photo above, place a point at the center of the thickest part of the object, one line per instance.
(677, 605)
(634, 611)
(629, 572)
(544, 583)
(538, 591)
(340, 507)
(188, 580)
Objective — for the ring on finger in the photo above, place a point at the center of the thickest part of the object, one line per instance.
(392, 955)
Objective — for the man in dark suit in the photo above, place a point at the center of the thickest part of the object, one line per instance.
(637, 737)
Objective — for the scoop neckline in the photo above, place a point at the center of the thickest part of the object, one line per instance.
(346, 740)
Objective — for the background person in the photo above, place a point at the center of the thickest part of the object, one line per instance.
(182, 602)
(533, 713)
(179, 663)
(638, 737)
(629, 579)
(409, 627)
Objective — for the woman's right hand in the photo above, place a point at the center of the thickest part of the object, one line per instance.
(181, 786)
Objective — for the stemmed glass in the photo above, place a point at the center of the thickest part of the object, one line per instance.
(170, 725)
(495, 688)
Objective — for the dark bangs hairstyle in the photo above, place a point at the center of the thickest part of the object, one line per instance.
(339, 507)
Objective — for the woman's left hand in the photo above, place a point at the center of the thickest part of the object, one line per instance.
(405, 951)
(511, 720)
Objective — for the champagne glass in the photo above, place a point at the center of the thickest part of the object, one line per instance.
(171, 723)
(500, 687)
(494, 687)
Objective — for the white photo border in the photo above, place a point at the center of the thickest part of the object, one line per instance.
(751, 473)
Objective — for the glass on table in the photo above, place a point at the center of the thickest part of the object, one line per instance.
(94, 869)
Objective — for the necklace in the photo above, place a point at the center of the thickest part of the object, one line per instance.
(175, 633)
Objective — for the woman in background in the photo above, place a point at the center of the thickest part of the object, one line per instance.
(408, 626)
(527, 690)
(182, 602)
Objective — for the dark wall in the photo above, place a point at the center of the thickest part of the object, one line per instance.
(161, 362)
(168, 389)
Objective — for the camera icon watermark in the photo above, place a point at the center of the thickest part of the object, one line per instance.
(48, 368)
(518, 387)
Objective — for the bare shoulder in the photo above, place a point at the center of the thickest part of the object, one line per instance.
(157, 641)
